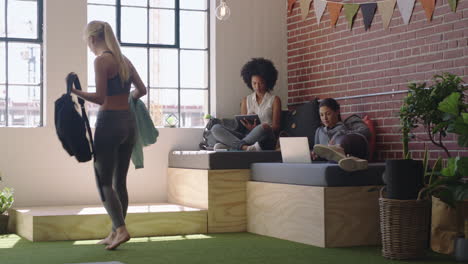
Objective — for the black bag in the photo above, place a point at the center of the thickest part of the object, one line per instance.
(303, 121)
(71, 127)
(208, 140)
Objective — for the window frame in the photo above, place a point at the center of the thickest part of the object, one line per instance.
(148, 46)
(38, 40)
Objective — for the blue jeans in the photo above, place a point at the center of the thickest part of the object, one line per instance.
(235, 140)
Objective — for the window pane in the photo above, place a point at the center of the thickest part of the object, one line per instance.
(22, 19)
(104, 2)
(91, 108)
(24, 105)
(134, 25)
(2, 18)
(91, 75)
(163, 68)
(162, 26)
(2, 63)
(134, 2)
(138, 57)
(162, 3)
(24, 65)
(193, 29)
(2, 105)
(163, 106)
(193, 106)
(193, 69)
(193, 4)
(102, 13)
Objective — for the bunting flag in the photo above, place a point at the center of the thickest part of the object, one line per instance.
(334, 9)
(406, 9)
(386, 11)
(453, 5)
(319, 8)
(305, 5)
(429, 6)
(350, 12)
(291, 5)
(368, 12)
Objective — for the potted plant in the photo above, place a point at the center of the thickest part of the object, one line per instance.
(441, 109)
(6, 201)
(404, 177)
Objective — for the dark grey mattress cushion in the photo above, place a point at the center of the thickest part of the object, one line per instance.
(316, 174)
(203, 159)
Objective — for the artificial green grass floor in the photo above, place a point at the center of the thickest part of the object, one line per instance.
(206, 249)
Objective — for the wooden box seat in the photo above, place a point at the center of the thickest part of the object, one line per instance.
(315, 204)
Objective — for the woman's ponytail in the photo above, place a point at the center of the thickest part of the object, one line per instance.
(113, 45)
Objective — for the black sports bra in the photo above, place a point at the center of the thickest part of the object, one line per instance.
(115, 85)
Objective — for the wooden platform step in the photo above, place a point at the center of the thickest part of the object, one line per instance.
(92, 222)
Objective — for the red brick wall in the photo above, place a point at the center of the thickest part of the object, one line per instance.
(336, 62)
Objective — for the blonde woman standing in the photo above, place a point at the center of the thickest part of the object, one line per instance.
(115, 133)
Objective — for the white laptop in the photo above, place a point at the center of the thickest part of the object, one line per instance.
(295, 150)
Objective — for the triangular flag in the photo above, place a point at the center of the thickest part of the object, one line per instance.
(305, 5)
(429, 6)
(386, 11)
(368, 12)
(334, 9)
(291, 5)
(406, 9)
(319, 7)
(453, 5)
(350, 12)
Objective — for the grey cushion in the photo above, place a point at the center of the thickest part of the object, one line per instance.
(213, 160)
(316, 174)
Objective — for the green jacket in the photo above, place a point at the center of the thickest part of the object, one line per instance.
(146, 133)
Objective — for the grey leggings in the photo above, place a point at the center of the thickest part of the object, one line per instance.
(236, 140)
(114, 139)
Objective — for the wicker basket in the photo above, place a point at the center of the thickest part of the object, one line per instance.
(404, 225)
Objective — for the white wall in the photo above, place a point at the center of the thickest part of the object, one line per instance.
(33, 162)
(256, 28)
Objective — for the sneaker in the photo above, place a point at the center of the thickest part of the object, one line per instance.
(254, 147)
(334, 153)
(220, 147)
(352, 164)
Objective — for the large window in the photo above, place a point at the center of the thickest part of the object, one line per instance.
(21, 63)
(167, 42)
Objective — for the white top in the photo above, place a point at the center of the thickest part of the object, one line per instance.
(263, 110)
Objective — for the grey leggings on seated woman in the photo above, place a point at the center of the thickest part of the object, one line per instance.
(114, 139)
(236, 140)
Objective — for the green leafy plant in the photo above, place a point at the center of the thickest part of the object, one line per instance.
(419, 109)
(6, 199)
(450, 116)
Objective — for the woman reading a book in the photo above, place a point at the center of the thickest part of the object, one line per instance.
(260, 76)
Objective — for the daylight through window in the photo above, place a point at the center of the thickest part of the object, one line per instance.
(167, 42)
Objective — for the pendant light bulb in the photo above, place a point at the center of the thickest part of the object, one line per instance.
(222, 11)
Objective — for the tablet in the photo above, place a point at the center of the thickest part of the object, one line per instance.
(250, 118)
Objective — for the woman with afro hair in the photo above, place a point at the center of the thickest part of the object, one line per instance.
(260, 76)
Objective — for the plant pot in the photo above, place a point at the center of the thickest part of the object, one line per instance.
(444, 227)
(404, 179)
(404, 225)
(461, 249)
(3, 224)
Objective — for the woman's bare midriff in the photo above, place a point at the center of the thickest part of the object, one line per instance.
(115, 102)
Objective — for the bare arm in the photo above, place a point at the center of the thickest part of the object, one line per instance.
(98, 97)
(140, 88)
(244, 106)
(276, 122)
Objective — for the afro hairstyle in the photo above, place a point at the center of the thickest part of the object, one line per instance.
(260, 67)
